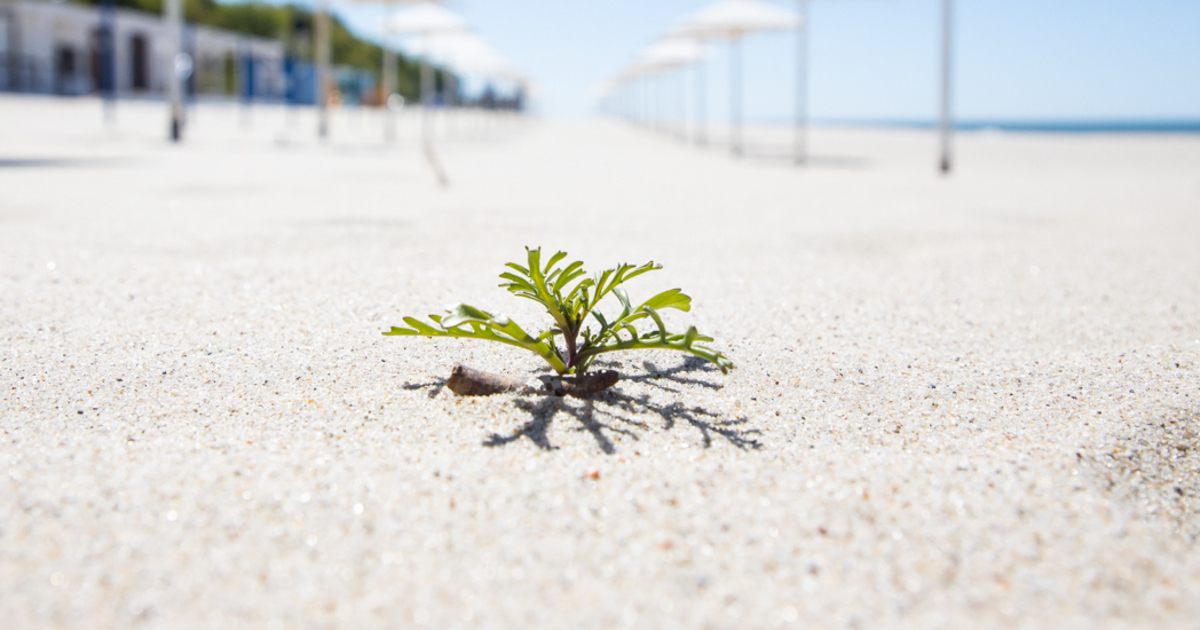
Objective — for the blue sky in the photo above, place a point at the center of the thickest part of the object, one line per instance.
(877, 59)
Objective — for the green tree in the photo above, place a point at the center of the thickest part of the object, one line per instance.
(293, 25)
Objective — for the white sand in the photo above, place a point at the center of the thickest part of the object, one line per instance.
(946, 411)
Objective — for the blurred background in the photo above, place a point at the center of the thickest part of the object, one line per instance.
(1017, 63)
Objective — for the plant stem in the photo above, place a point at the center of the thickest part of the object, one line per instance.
(570, 337)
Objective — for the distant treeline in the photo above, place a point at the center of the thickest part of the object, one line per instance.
(293, 26)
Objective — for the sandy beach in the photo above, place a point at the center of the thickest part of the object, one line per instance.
(970, 401)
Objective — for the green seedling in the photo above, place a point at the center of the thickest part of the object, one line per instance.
(570, 298)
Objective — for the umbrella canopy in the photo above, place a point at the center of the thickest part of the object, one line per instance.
(669, 53)
(424, 19)
(464, 51)
(730, 19)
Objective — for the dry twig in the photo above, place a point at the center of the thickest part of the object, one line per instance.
(466, 381)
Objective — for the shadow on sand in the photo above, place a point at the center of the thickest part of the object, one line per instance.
(435, 387)
(32, 162)
(611, 412)
(784, 155)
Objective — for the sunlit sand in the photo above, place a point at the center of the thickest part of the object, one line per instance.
(959, 402)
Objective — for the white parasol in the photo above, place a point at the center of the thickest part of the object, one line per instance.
(731, 20)
(667, 54)
(426, 20)
(388, 74)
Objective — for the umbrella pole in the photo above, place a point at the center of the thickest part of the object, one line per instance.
(427, 121)
(649, 85)
(647, 102)
(735, 95)
(945, 124)
(655, 94)
(174, 20)
(663, 122)
(321, 33)
(426, 98)
(801, 147)
(681, 104)
(643, 102)
(389, 86)
(107, 53)
(452, 109)
(701, 97)
(635, 101)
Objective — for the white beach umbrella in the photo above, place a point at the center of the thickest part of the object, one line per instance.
(426, 20)
(800, 151)
(731, 20)
(671, 52)
(322, 36)
(389, 64)
(668, 54)
(466, 52)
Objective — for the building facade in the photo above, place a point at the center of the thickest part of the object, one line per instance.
(55, 48)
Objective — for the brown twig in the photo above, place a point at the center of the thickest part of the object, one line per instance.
(466, 381)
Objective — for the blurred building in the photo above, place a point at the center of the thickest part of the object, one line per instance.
(53, 48)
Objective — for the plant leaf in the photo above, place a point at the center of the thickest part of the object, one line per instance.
(672, 298)
(460, 314)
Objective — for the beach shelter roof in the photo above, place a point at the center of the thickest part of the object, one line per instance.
(423, 19)
(730, 19)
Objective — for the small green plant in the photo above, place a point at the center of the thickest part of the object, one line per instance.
(570, 299)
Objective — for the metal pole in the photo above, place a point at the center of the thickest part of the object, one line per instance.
(701, 100)
(451, 101)
(648, 101)
(945, 125)
(108, 74)
(660, 110)
(735, 94)
(637, 102)
(321, 34)
(801, 148)
(246, 63)
(426, 98)
(389, 86)
(174, 18)
(682, 103)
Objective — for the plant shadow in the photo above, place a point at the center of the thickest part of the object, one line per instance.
(435, 387)
(612, 413)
